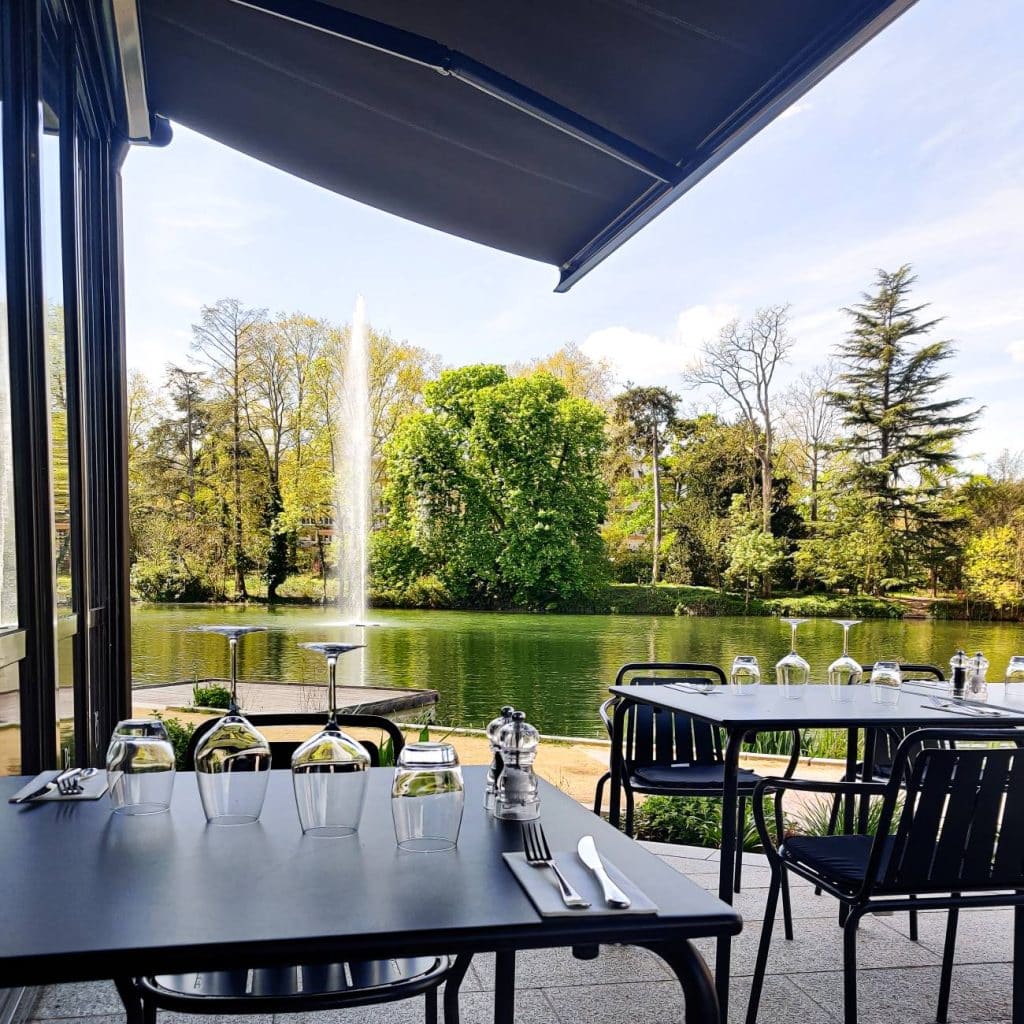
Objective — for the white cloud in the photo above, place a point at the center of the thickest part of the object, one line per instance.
(1016, 350)
(796, 108)
(645, 358)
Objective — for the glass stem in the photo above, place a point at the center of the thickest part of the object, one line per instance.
(846, 641)
(233, 643)
(332, 688)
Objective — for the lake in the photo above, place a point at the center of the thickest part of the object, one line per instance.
(555, 667)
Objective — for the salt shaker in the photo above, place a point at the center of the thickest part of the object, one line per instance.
(977, 684)
(494, 739)
(516, 798)
(958, 663)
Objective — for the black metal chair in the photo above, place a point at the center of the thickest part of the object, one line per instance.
(296, 988)
(672, 754)
(886, 742)
(958, 842)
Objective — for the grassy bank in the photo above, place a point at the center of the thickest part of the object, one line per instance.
(615, 599)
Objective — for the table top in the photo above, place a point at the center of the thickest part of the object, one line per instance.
(768, 709)
(87, 894)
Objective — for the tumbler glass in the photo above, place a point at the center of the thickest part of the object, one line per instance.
(1015, 679)
(886, 681)
(745, 675)
(140, 767)
(427, 797)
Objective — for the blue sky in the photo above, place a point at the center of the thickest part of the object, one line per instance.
(913, 151)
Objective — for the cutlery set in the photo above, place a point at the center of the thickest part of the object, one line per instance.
(538, 855)
(67, 783)
(960, 708)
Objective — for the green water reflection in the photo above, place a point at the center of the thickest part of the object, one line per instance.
(556, 667)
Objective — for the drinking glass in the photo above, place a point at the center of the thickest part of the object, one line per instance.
(745, 675)
(329, 769)
(1015, 679)
(792, 672)
(232, 760)
(845, 672)
(140, 767)
(886, 680)
(427, 798)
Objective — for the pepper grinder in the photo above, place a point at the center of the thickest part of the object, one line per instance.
(958, 663)
(494, 739)
(516, 798)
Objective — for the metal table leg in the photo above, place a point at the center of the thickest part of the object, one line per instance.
(504, 987)
(132, 1000)
(694, 978)
(730, 787)
(851, 774)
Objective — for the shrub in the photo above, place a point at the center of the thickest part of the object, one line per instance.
(211, 696)
(179, 733)
(812, 818)
(168, 579)
(687, 821)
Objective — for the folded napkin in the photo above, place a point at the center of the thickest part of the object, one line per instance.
(92, 789)
(541, 886)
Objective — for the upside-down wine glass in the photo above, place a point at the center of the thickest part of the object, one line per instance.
(845, 672)
(792, 672)
(232, 760)
(329, 769)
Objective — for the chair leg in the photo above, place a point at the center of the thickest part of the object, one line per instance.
(757, 983)
(430, 1011)
(452, 986)
(850, 966)
(913, 924)
(148, 1011)
(946, 978)
(787, 908)
(599, 792)
(741, 827)
(629, 811)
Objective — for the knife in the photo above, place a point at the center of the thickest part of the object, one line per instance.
(45, 788)
(613, 895)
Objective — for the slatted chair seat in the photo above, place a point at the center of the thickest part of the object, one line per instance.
(695, 776)
(957, 840)
(297, 987)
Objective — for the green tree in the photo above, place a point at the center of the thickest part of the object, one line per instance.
(994, 564)
(753, 552)
(898, 426)
(223, 342)
(646, 414)
(496, 490)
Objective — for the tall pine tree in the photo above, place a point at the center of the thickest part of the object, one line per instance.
(899, 427)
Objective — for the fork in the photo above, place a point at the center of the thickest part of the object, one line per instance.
(538, 855)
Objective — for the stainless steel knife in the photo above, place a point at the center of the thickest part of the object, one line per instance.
(613, 895)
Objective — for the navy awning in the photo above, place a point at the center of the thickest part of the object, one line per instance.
(553, 129)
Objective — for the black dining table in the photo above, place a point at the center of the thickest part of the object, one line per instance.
(766, 710)
(86, 894)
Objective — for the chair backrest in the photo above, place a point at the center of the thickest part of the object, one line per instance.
(656, 737)
(888, 740)
(281, 750)
(962, 823)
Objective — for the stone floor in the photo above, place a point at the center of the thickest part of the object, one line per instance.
(898, 979)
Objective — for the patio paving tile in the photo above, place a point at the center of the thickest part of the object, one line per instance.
(981, 994)
(82, 999)
(544, 968)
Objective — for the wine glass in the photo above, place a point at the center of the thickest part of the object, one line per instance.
(886, 681)
(845, 672)
(745, 675)
(1015, 679)
(329, 769)
(232, 760)
(792, 672)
